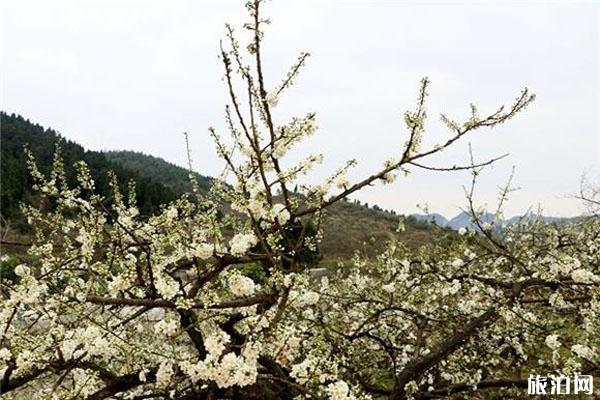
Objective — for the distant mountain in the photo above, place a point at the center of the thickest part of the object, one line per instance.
(436, 218)
(463, 219)
(533, 216)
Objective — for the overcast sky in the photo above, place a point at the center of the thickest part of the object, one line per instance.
(136, 74)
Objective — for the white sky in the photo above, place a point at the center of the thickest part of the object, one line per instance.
(136, 74)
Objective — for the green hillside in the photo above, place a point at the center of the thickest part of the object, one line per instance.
(350, 226)
(17, 132)
(170, 175)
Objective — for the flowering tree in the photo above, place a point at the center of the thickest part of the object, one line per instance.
(212, 298)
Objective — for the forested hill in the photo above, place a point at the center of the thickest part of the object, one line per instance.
(170, 175)
(16, 132)
(348, 225)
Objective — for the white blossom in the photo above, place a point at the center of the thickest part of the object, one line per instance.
(215, 343)
(339, 391)
(203, 251)
(241, 243)
(167, 286)
(583, 351)
(389, 288)
(341, 181)
(169, 328)
(172, 213)
(552, 342)
(582, 276)
(272, 99)
(5, 354)
(457, 262)
(155, 314)
(389, 177)
(164, 374)
(280, 213)
(22, 270)
(241, 285)
(309, 298)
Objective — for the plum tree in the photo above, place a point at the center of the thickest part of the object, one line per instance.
(212, 297)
